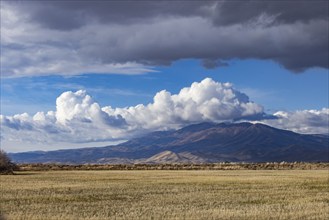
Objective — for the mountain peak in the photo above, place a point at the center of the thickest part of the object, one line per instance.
(199, 143)
(197, 127)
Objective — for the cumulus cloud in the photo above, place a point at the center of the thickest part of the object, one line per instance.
(302, 121)
(78, 118)
(77, 37)
(204, 101)
(80, 107)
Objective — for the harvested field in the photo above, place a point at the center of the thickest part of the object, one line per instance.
(177, 194)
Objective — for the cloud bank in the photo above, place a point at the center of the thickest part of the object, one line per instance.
(302, 121)
(80, 119)
(76, 37)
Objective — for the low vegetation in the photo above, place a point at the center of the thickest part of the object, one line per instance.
(166, 194)
(211, 166)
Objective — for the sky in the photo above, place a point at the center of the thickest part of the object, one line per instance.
(93, 73)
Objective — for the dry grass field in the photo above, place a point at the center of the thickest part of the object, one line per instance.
(230, 194)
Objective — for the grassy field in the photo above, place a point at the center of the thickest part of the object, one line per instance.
(234, 194)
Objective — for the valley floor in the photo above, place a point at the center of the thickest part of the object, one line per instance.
(230, 194)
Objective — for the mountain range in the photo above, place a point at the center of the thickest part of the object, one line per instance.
(198, 143)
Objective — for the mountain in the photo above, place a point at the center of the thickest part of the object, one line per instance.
(198, 143)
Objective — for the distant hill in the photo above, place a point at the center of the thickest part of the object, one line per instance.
(199, 143)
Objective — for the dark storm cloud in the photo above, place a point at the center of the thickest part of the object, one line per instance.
(232, 12)
(292, 33)
(211, 64)
(65, 14)
(74, 14)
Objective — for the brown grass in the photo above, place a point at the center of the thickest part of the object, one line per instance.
(230, 194)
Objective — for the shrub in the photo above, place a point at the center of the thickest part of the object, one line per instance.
(6, 166)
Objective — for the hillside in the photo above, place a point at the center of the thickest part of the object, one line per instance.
(199, 143)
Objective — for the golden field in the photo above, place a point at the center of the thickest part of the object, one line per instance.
(166, 194)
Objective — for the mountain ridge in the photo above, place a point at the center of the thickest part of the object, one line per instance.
(198, 143)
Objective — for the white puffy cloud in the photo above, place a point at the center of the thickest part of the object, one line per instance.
(80, 106)
(79, 119)
(204, 101)
(302, 121)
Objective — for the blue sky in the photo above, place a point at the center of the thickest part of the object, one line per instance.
(265, 82)
(93, 73)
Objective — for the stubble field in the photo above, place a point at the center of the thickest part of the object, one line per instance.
(230, 194)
